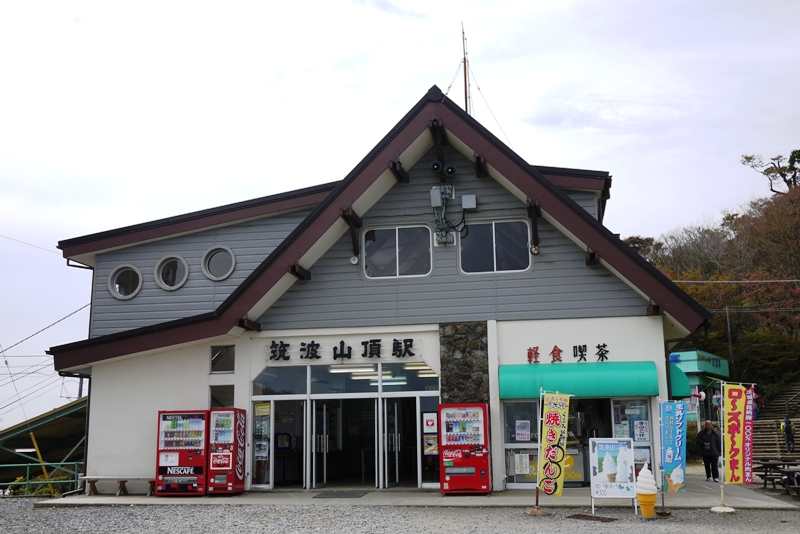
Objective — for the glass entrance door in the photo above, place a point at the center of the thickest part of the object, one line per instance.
(400, 442)
(326, 441)
(392, 442)
(321, 444)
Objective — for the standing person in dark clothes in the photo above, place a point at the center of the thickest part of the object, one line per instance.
(787, 430)
(710, 447)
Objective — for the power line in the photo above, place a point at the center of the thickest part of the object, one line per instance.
(735, 281)
(48, 326)
(31, 245)
(755, 310)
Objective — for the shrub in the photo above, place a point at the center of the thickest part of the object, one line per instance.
(692, 449)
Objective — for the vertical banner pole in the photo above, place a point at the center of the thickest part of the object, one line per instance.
(722, 509)
(724, 431)
(661, 453)
(536, 511)
(539, 425)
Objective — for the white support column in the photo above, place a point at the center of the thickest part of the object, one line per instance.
(495, 410)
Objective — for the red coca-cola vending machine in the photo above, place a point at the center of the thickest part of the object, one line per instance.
(181, 454)
(464, 448)
(226, 446)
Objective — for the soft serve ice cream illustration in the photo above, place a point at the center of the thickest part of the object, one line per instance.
(675, 480)
(609, 467)
(622, 470)
(646, 492)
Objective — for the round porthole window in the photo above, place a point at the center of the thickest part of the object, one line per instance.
(125, 281)
(218, 262)
(171, 272)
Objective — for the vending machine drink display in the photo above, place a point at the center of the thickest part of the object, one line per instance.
(181, 455)
(464, 448)
(226, 446)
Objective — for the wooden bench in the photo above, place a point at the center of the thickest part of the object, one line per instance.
(789, 487)
(770, 478)
(121, 484)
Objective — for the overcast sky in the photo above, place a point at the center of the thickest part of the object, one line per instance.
(116, 113)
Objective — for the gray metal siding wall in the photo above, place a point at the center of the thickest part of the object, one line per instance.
(251, 243)
(586, 200)
(559, 286)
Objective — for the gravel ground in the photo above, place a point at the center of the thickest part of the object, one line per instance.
(18, 515)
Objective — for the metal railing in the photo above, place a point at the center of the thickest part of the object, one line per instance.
(71, 469)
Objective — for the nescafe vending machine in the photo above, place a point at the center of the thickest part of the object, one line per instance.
(181, 455)
(226, 446)
(464, 448)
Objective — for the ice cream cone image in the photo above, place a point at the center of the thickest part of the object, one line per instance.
(646, 491)
(609, 467)
(676, 479)
(673, 487)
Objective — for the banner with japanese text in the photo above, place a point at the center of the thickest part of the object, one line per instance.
(734, 400)
(747, 442)
(673, 446)
(553, 443)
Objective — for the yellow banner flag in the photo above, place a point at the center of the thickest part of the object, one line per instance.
(734, 403)
(553, 447)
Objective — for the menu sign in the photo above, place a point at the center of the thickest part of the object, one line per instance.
(612, 468)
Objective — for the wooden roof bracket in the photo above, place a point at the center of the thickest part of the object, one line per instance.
(654, 309)
(399, 172)
(480, 166)
(247, 324)
(301, 273)
(354, 222)
(439, 137)
(534, 212)
(592, 257)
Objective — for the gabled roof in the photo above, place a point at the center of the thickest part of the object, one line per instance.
(83, 249)
(362, 187)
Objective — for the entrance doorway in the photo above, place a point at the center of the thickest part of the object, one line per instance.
(400, 443)
(360, 442)
(343, 442)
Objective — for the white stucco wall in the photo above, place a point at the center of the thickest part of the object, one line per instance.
(126, 396)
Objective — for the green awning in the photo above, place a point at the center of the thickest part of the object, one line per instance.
(591, 379)
(680, 382)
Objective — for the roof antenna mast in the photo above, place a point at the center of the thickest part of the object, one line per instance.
(466, 67)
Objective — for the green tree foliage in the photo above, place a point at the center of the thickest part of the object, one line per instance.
(779, 170)
(761, 243)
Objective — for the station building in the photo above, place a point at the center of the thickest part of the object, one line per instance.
(444, 268)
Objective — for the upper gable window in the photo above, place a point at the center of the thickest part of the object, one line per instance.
(401, 251)
(171, 272)
(218, 263)
(125, 281)
(495, 247)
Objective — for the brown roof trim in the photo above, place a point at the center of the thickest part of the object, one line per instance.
(580, 179)
(194, 221)
(575, 182)
(434, 105)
